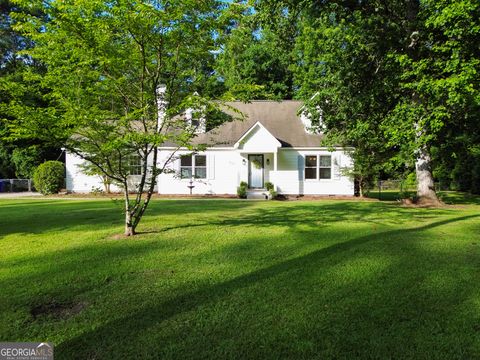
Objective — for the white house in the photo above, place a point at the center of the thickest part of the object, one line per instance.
(272, 144)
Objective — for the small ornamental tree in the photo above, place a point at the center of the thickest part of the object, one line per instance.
(118, 73)
(48, 177)
(92, 170)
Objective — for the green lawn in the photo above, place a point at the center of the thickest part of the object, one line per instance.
(242, 279)
(449, 197)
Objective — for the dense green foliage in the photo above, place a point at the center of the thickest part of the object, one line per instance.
(116, 75)
(49, 177)
(443, 76)
(450, 80)
(341, 59)
(254, 61)
(236, 279)
(252, 67)
(18, 157)
(398, 80)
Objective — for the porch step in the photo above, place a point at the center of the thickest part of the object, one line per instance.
(258, 194)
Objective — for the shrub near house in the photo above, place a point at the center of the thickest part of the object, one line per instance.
(49, 177)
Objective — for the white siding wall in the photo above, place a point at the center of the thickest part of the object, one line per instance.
(259, 140)
(230, 167)
(225, 170)
(268, 158)
(77, 181)
(289, 178)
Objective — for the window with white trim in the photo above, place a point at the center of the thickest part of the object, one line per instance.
(318, 167)
(193, 166)
(325, 167)
(310, 167)
(134, 164)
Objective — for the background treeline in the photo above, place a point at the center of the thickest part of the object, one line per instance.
(18, 158)
(398, 80)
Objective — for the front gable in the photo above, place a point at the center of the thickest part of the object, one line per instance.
(257, 139)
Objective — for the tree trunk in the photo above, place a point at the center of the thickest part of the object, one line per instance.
(425, 186)
(129, 228)
(106, 184)
(129, 225)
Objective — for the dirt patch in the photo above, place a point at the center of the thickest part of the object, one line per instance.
(57, 309)
(137, 235)
(118, 237)
(422, 203)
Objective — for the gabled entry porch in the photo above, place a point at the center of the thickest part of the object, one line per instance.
(260, 171)
(259, 151)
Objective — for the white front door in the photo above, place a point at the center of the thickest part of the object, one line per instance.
(255, 171)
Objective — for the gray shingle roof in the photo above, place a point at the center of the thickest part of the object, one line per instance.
(281, 119)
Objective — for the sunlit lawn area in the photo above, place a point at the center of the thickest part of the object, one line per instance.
(238, 279)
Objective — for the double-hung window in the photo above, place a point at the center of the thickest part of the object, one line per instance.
(311, 167)
(193, 166)
(318, 167)
(134, 164)
(325, 167)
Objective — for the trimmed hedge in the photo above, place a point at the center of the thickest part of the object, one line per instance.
(48, 178)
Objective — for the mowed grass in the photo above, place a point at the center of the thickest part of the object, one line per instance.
(231, 279)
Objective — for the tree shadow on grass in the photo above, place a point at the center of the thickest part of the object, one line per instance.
(40, 216)
(303, 220)
(120, 337)
(315, 215)
(36, 217)
(448, 197)
(461, 198)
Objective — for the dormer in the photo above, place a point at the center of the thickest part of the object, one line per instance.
(306, 118)
(196, 119)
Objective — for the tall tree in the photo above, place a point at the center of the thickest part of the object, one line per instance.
(441, 84)
(253, 66)
(253, 62)
(18, 157)
(107, 63)
(342, 61)
(394, 79)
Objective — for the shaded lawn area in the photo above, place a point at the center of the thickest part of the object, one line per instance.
(448, 197)
(242, 279)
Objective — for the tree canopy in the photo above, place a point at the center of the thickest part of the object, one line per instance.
(398, 80)
(18, 157)
(116, 75)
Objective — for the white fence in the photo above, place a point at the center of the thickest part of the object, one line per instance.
(15, 185)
